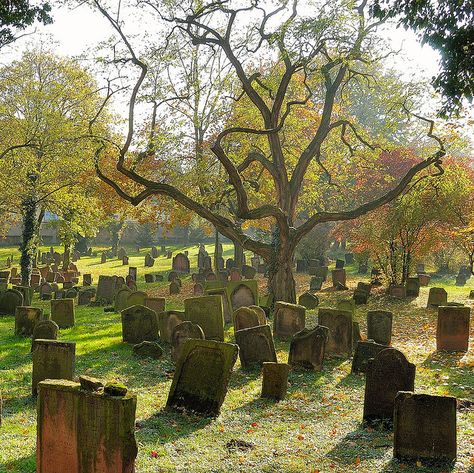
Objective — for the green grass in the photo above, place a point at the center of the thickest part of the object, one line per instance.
(317, 427)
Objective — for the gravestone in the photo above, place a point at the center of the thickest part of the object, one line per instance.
(103, 258)
(349, 258)
(413, 287)
(154, 252)
(44, 329)
(201, 376)
(136, 298)
(360, 297)
(181, 263)
(452, 333)
(308, 300)
(255, 345)
(461, 280)
(379, 326)
(363, 268)
(62, 312)
(85, 296)
(397, 291)
(424, 279)
(121, 298)
(125, 260)
(105, 290)
(149, 278)
(248, 272)
(149, 261)
(316, 283)
(338, 277)
(364, 351)
(243, 293)
(346, 304)
(307, 348)
(424, 427)
(25, 320)
(139, 323)
(436, 297)
(27, 293)
(133, 272)
(245, 317)
(319, 271)
(87, 279)
(83, 429)
(229, 263)
(207, 312)
(227, 311)
(275, 380)
(262, 317)
(288, 319)
(340, 263)
(339, 323)
(157, 304)
(52, 359)
(173, 276)
(386, 374)
(167, 321)
(9, 301)
(234, 274)
(210, 276)
(301, 266)
(180, 334)
(121, 253)
(198, 289)
(175, 288)
(148, 349)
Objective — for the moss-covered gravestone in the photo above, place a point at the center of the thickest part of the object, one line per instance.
(243, 293)
(52, 359)
(155, 303)
(84, 430)
(201, 377)
(44, 329)
(62, 312)
(9, 301)
(255, 345)
(288, 320)
(85, 296)
(364, 351)
(424, 427)
(25, 320)
(207, 312)
(339, 323)
(106, 289)
(180, 334)
(136, 298)
(121, 298)
(379, 326)
(275, 380)
(386, 374)
(307, 348)
(139, 323)
(226, 304)
(316, 283)
(308, 300)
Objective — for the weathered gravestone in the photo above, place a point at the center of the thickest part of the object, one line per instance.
(364, 351)
(133, 272)
(308, 300)
(248, 272)
(245, 317)
(156, 304)
(437, 296)
(175, 287)
(452, 333)
(262, 317)
(339, 323)
(136, 298)
(288, 319)
(424, 279)
(180, 334)
(461, 280)
(167, 321)
(226, 307)
(398, 291)
(338, 277)
(316, 283)
(52, 359)
(84, 429)
(275, 380)
(105, 290)
(85, 296)
(44, 329)
(103, 258)
(87, 279)
(121, 253)
(149, 278)
(379, 326)
(207, 312)
(424, 427)
(234, 274)
(180, 263)
(307, 348)
(255, 345)
(201, 377)
(413, 287)
(198, 289)
(62, 312)
(148, 349)
(243, 293)
(121, 299)
(139, 323)
(9, 301)
(154, 252)
(25, 320)
(319, 271)
(386, 374)
(149, 260)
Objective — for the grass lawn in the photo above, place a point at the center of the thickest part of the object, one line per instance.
(317, 428)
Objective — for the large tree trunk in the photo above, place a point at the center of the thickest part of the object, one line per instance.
(238, 254)
(28, 244)
(216, 251)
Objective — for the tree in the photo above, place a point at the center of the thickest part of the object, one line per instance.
(46, 107)
(318, 57)
(19, 14)
(447, 26)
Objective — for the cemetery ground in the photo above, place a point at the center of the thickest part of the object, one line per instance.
(317, 428)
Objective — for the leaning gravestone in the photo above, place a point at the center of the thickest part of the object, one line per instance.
(45, 329)
(364, 351)
(243, 293)
(437, 296)
(149, 260)
(307, 348)
(227, 311)
(62, 312)
(155, 303)
(180, 263)
(339, 323)
(9, 301)
(262, 317)
(207, 312)
(139, 324)
(136, 298)
(275, 380)
(180, 334)
(167, 321)
(201, 377)
(245, 317)
(379, 326)
(308, 300)
(424, 427)
(386, 374)
(84, 428)
(52, 359)
(288, 319)
(25, 320)
(316, 283)
(452, 333)
(105, 290)
(121, 298)
(255, 345)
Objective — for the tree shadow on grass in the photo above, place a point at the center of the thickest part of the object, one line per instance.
(21, 465)
(399, 466)
(241, 377)
(15, 405)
